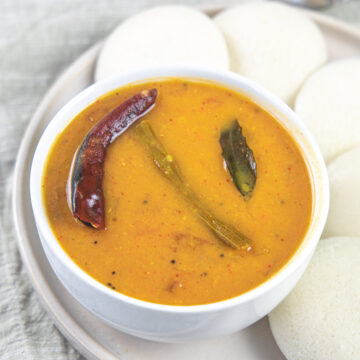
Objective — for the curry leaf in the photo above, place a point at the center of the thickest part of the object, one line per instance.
(239, 158)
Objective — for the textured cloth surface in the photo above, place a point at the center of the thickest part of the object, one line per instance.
(39, 39)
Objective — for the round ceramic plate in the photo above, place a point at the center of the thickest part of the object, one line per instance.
(89, 335)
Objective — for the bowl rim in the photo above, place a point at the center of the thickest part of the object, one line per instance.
(225, 78)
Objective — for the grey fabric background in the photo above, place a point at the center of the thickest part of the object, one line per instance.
(38, 40)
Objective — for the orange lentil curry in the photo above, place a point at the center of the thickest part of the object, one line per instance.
(154, 246)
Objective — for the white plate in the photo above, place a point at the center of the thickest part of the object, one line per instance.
(90, 336)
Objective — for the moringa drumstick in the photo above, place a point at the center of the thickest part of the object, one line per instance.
(166, 164)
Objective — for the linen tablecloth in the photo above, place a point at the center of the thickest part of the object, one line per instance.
(39, 39)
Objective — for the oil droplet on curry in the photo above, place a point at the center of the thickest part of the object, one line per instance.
(155, 247)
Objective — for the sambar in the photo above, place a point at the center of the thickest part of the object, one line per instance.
(154, 247)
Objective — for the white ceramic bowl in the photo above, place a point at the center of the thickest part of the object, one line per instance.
(181, 323)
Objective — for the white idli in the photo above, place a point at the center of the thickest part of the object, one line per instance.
(163, 35)
(344, 213)
(329, 104)
(272, 44)
(320, 319)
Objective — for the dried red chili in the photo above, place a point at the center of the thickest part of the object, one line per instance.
(86, 197)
